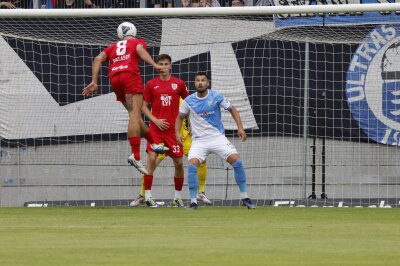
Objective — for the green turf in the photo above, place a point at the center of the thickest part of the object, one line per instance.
(209, 236)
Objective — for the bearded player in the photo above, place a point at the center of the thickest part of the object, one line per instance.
(204, 110)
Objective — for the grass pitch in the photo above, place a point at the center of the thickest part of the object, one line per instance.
(208, 236)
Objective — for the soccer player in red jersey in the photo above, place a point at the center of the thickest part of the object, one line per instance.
(163, 93)
(126, 82)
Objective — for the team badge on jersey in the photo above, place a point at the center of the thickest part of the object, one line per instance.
(373, 84)
(174, 86)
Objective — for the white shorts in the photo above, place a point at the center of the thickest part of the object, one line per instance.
(219, 145)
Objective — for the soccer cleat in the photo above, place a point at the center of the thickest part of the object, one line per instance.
(159, 149)
(247, 202)
(137, 164)
(202, 196)
(138, 201)
(151, 203)
(178, 203)
(192, 207)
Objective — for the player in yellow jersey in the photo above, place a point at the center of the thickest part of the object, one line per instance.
(201, 174)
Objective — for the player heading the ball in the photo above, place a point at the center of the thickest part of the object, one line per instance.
(126, 82)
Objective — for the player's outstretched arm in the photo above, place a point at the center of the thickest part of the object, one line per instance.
(92, 87)
(142, 53)
(178, 125)
(236, 116)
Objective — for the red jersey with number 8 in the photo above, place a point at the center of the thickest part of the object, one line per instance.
(123, 57)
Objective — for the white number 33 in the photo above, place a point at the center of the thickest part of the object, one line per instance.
(176, 148)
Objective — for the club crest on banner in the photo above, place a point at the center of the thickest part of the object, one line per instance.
(373, 84)
(174, 86)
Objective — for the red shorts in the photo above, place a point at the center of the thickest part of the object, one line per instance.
(169, 140)
(126, 83)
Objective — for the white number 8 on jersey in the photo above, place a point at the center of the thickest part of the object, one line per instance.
(121, 47)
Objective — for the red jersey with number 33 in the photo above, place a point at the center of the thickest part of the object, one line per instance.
(164, 98)
(123, 57)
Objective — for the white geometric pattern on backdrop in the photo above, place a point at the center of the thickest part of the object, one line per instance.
(43, 117)
(225, 71)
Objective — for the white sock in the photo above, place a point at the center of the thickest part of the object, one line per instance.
(193, 200)
(177, 194)
(147, 194)
(243, 195)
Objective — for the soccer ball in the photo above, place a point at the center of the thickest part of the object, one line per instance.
(126, 29)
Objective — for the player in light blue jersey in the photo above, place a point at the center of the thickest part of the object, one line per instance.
(208, 135)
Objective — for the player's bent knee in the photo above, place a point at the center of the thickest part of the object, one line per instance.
(233, 158)
(194, 161)
(179, 165)
(128, 107)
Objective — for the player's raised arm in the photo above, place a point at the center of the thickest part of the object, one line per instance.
(236, 116)
(96, 66)
(142, 53)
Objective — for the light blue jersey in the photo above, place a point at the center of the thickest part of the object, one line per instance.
(205, 113)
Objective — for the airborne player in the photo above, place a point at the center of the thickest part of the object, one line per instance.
(126, 82)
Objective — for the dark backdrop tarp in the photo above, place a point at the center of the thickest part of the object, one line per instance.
(273, 72)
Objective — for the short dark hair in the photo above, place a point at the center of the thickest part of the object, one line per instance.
(163, 57)
(201, 73)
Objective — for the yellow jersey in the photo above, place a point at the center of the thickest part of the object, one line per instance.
(185, 124)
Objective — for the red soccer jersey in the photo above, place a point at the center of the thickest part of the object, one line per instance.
(123, 57)
(164, 98)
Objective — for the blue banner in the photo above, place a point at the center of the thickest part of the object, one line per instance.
(373, 85)
(324, 19)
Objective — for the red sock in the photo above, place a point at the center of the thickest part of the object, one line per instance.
(135, 147)
(178, 183)
(148, 182)
(149, 137)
